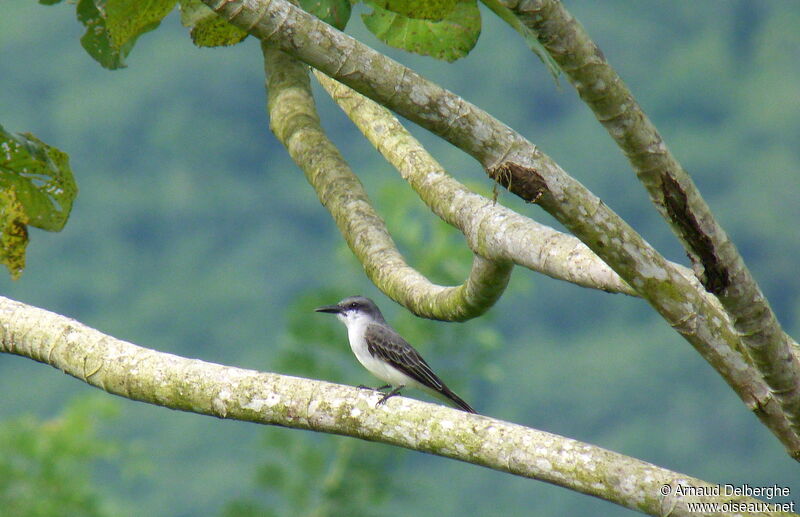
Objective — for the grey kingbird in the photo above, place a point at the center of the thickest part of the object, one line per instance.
(384, 352)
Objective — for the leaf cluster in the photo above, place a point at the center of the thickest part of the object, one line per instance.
(443, 29)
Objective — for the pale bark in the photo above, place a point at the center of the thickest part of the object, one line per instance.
(520, 167)
(716, 260)
(294, 120)
(491, 229)
(174, 382)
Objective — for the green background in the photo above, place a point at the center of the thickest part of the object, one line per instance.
(194, 234)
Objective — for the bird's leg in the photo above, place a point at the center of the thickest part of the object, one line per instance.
(392, 393)
(379, 388)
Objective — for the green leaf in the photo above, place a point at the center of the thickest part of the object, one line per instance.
(332, 12)
(13, 233)
(208, 29)
(36, 188)
(113, 26)
(128, 19)
(449, 39)
(435, 10)
(96, 40)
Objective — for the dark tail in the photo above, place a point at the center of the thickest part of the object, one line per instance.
(458, 401)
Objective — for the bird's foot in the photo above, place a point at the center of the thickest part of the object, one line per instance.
(392, 393)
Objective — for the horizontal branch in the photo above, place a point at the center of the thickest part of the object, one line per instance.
(719, 265)
(523, 169)
(174, 382)
(294, 120)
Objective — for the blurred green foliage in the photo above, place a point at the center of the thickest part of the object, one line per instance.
(45, 465)
(195, 234)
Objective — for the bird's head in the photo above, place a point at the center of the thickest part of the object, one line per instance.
(353, 309)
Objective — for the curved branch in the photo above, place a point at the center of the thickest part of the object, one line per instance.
(196, 386)
(524, 170)
(294, 120)
(719, 265)
(492, 230)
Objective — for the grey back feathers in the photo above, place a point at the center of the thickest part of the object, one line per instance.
(386, 343)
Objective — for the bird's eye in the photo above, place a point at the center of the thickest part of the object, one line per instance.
(353, 305)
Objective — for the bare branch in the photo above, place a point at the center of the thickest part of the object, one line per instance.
(519, 166)
(294, 120)
(196, 386)
(717, 262)
(492, 230)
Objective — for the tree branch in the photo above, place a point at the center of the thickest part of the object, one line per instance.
(492, 230)
(196, 386)
(717, 262)
(519, 166)
(294, 120)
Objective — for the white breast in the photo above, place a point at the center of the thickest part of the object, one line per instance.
(380, 369)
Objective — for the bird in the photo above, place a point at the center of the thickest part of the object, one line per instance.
(385, 354)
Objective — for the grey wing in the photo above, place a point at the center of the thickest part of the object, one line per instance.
(387, 344)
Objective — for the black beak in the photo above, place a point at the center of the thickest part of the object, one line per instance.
(333, 309)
